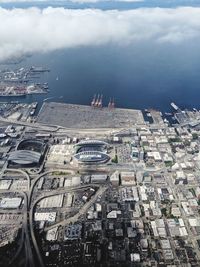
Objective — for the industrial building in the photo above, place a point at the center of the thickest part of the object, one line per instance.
(99, 178)
(72, 181)
(10, 203)
(114, 178)
(52, 202)
(19, 185)
(5, 184)
(45, 216)
(52, 234)
(127, 178)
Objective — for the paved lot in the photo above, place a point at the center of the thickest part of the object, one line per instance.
(83, 117)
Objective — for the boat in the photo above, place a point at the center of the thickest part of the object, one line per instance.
(34, 105)
(45, 86)
(174, 106)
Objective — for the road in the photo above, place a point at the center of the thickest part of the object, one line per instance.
(23, 173)
(82, 211)
(64, 222)
(55, 128)
(192, 239)
(30, 211)
(51, 128)
(25, 240)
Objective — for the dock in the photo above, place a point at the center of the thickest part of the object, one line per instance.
(84, 117)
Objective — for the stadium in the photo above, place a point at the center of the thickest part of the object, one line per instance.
(91, 152)
(28, 153)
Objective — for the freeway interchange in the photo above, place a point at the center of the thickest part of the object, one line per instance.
(141, 207)
(28, 239)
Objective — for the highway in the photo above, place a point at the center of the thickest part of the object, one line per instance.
(47, 128)
(82, 211)
(64, 222)
(34, 182)
(25, 240)
(61, 129)
(30, 211)
(28, 234)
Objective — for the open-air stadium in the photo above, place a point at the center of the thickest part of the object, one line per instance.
(91, 152)
(90, 157)
(91, 145)
(28, 153)
(87, 117)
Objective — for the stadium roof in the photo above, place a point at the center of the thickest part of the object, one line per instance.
(91, 157)
(36, 144)
(24, 157)
(91, 142)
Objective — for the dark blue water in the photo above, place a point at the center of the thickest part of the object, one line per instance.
(151, 75)
(142, 75)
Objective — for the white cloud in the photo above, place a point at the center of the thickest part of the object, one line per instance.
(95, 1)
(26, 31)
(62, 1)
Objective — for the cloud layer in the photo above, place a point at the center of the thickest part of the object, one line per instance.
(94, 1)
(63, 1)
(27, 31)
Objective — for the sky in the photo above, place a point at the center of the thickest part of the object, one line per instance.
(25, 31)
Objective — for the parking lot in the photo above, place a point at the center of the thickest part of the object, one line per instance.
(124, 154)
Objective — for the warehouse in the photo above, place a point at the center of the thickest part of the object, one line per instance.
(52, 202)
(127, 178)
(5, 184)
(10, 203)
(99, 178)
(45, 216)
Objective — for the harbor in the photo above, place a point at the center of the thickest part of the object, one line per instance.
(22, 82)
(18, 111)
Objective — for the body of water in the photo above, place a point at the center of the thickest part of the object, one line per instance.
(151, 76)
(140, 75)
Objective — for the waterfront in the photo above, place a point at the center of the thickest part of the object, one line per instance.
(136, 76)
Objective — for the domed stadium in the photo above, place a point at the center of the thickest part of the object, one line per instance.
(28, 153)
